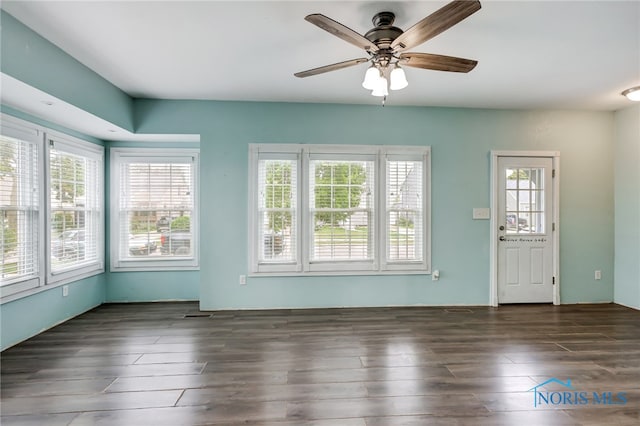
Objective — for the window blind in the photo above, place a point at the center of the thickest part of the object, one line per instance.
(156, 208)
(277, 210)
(404, 205)
(19, 210)
(341, 208)
(75, 198)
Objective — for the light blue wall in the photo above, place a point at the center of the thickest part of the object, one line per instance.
(152, 286)
(26, 317)
(34, 60)
(627, 207)
(461, 140)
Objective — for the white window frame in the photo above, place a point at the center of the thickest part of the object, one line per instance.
(75, 146)
(338, 152)
(120, 156)
(408, 154)
(45, 280)
(26, 132)
(280, 153)
(379, 265)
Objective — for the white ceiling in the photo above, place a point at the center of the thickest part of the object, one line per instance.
(545, 54)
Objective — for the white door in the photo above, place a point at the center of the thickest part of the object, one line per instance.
(525, 243)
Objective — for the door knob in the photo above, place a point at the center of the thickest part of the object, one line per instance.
(502, 239)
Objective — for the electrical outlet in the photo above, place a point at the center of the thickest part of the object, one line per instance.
(65, 290)
(243, 280)
(598, 275)
(435, 275)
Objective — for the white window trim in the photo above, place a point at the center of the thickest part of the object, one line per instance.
(80, 147)
(15, 127)
(303, 266)
(23, 130)
(164, 264)
(292, 267)
(407, 154)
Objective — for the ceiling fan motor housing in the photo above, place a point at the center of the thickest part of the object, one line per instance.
(384, 32)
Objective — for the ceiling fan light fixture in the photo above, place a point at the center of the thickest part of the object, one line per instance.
(398, 78)
(633, 94)
(381, 88)
(386, 46)
(371, 78)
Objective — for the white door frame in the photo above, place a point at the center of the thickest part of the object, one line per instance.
(555, 234)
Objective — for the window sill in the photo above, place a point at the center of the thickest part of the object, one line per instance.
(172, 264)
(337, 273)
(148, 268)
(70, 275)
(63, 281)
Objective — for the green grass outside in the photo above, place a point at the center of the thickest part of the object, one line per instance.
(328, 235)
(10, 268)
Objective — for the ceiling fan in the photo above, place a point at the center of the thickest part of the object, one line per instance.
(386, 45)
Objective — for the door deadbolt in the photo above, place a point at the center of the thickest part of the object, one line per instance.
(501, 227)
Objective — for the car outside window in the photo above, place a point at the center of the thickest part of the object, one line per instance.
(154, 197)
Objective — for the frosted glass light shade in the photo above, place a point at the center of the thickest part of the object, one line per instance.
(632, 94)
(371, 78)
(398, 79)
(381, 88)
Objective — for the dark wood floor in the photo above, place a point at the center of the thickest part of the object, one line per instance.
(166, 364)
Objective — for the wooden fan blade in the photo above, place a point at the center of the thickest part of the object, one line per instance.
(340, 31)
(429, 61)
(439, 21)
(332, 67)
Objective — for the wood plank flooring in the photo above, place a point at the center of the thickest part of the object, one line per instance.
(169, 364)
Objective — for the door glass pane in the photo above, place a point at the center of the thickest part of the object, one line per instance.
(524, 205)
(537, 178)
(524, 178)
(537, 223)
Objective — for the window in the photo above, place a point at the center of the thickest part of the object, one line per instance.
(75, 216)
(20, 202)
(525, 201)
(153, 213)
(51, 208)
(341, 210)
(405, 210)
(277, 210)
(363, 209)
